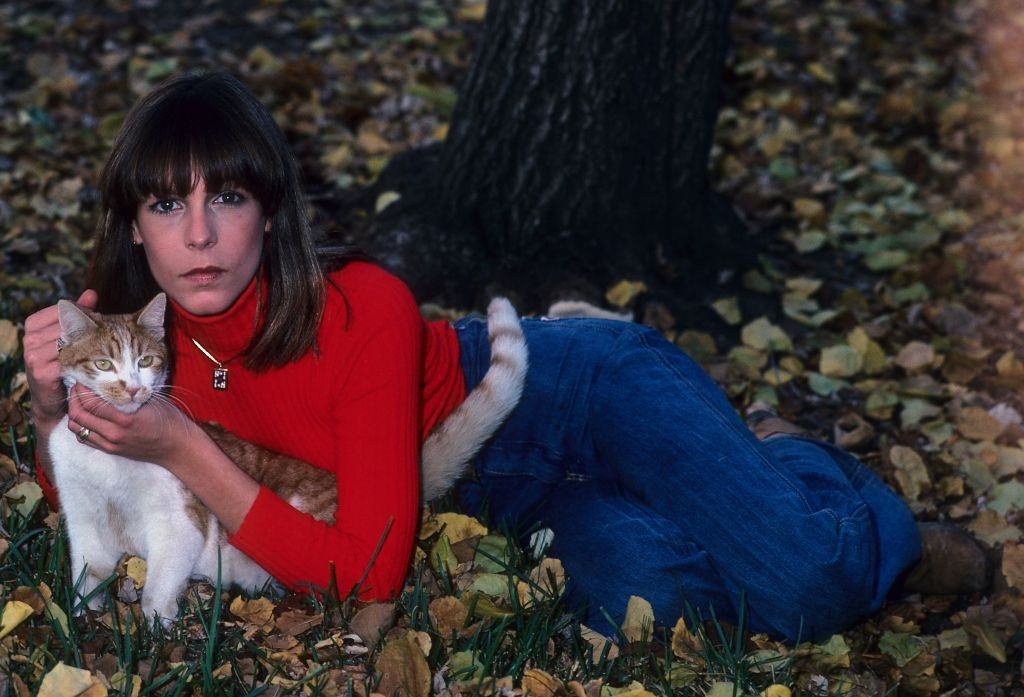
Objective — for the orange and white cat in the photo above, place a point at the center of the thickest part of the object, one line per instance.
(114, 505)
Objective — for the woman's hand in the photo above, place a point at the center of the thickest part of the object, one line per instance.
(42, 329)
(157, 432)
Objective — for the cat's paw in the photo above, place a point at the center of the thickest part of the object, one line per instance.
(165, 612)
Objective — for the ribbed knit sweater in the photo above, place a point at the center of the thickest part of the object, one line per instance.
(359, 406)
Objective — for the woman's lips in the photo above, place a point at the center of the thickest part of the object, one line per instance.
(205, 275)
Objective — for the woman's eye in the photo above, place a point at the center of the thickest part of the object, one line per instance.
(104, 364)
(145, 361)
(231, 198)
(163, 206)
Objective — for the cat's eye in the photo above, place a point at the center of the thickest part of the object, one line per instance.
(104, 364)
(145, 361)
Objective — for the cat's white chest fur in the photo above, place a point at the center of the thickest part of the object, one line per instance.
(114, 505)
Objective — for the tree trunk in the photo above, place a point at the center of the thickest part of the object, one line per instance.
(579, 148)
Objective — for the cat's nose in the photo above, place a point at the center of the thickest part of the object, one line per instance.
(132, 391)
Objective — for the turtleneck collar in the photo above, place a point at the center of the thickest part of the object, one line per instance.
(225, 334)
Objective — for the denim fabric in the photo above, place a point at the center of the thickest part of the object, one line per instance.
(654, 486)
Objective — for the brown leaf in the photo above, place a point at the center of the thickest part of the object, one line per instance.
(403, 669)
(1013, 564)
(373, 622)
(295, 622)
(851, 431)
(540, 683)
(977, 424)
(449, 615)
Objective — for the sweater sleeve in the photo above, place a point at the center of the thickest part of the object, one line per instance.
(375, 413)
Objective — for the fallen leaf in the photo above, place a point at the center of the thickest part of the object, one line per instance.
(449, 615)
(992, 528)
(623, 292)
(598, 642)
(776, 690)
(763, 335)
(902, 648)
(840, 361)
(1013, 565)
(258, 611)
(15, 612)
(403, 669)
(721, 689)
(65, 681)
(8, 339)
(135, 568)
(977, 424)
(23, 497)
(456, 526)
(911, 473)
(639, 621)
(540, 683)
(915, 356)
(372, 622)
(988, 640)
(728, 309)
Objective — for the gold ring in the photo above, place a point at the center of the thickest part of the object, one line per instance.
(83, 435)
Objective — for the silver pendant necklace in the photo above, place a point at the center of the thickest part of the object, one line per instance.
(220, 373)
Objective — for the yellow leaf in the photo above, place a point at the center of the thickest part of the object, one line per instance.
(59, 616)
(441, 132)
(472, 11)
(136, 570)
(8, 338)
(728, 309)
(337, 158)
(803, 286)
(386, 199)
(776, 690)
(623, 292)
(597, 643)
(809, 209)
(65, 681)
(685, 643)
(23, 497)
(15, 612)
(721, 689)
(456, 526)
(117, 681)
(762, 334)
(911, 473)
(258, 611)
(372, 143)
(639, 621)
(840, 361)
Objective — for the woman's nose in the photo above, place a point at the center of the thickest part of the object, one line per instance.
(201, 232)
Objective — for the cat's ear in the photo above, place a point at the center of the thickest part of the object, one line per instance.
(73, 321)
(151, 317)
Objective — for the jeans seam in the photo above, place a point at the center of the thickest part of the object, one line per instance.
(643, 338)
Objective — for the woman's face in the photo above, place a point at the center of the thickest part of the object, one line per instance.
(202, 249)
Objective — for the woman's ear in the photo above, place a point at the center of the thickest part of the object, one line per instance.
(266, 228)
(136, 237)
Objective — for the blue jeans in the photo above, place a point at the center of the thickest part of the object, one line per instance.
(653, 486)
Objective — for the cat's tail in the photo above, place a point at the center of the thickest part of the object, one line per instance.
(454, 443)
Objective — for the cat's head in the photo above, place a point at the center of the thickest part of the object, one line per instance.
(122, 358)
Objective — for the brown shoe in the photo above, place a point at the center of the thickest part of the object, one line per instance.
(952, 562)
(764, 422)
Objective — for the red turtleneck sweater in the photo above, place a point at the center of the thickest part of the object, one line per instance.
(361, 408)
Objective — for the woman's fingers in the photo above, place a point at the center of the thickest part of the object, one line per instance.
(88, 299)
(93, 439)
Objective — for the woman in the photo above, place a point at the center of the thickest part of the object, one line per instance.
(621, 444)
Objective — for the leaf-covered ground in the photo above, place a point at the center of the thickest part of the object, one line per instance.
(876, 146)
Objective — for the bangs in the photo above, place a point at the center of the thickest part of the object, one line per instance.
(201, 133)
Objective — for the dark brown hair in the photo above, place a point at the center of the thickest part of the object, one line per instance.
(209, 126)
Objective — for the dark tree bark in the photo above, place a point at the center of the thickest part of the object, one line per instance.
(578, 149)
